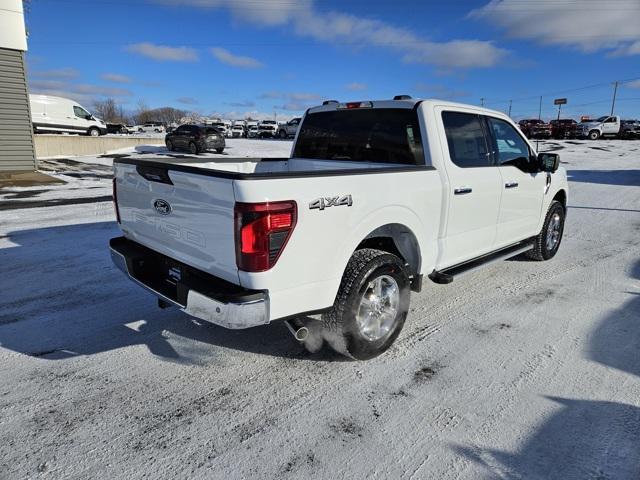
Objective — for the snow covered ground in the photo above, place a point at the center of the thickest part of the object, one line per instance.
(521, 370)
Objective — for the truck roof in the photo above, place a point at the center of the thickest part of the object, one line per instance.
(406, 103)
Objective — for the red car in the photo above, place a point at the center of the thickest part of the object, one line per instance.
(534, 128)
(564, 128)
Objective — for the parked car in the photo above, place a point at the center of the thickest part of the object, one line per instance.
(221, 127)
(564, 128)
(51, 114)
(365, 208)
(289, 129)
(267, 129)
(238, 131)
(630, 129)
(116, 128)
(252, 131)
(535, 128)
(153, 127)
(195, 138)
(605, 126)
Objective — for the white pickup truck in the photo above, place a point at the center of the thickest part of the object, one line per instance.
(607, 126)
(374, 196)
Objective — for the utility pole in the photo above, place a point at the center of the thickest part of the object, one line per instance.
(482, 101)
(540, 109)
(615, 91)
(510, 103)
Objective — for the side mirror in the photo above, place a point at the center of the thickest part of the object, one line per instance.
(549, 162)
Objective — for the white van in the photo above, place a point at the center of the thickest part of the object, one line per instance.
(58, 114)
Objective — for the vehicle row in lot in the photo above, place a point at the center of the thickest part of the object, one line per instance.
(611, 126)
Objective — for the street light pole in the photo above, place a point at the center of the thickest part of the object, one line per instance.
(510, 102)
(540, 109)
(615, 91)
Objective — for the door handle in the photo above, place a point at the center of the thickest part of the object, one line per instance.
(511, 185)
(462, 191)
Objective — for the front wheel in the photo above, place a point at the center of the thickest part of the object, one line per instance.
(193, 148)
(169, 145)
(219, 150)
(548, 240)
(371, 305)
(283, 134)
(94, 132)
(594, 135)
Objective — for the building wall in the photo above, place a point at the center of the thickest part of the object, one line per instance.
(12, 31)
(16, 136)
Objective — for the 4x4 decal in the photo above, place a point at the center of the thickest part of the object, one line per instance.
(326, 202)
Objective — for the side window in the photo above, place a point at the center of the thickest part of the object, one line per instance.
(610, 120)
(509, 147)
(80, 112)
(466, 139)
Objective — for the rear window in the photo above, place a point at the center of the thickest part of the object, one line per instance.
(381, 135)
(211, 130)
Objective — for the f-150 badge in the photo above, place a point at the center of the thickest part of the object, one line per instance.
(326, 202)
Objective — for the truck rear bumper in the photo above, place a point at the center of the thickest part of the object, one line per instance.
(195, 292)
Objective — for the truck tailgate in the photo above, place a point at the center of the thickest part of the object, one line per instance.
(186, 216)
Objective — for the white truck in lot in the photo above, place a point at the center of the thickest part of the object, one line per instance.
(607, 126)
(374, 197)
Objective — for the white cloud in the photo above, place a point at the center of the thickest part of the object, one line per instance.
(345, 29)
(225, 56)
(633, 84)
(243, 104)
(66, 72)
(355, 86)
(187, 100)
(612, 25)
(115, 77)
(163, 53)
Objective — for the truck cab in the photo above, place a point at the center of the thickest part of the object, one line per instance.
(289, 129)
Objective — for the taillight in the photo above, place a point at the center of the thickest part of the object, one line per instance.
(262, 231)
(115, 201)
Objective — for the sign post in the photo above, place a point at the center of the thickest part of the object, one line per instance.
(560, 102)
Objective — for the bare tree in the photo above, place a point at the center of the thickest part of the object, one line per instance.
(108, 110)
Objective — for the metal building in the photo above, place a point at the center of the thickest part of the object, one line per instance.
(16, 135)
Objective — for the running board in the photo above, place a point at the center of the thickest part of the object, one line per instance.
(448, 274)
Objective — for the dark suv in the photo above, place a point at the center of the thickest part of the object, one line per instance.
(564, 128)
(195, 138)
(630, 129)
(534, 128)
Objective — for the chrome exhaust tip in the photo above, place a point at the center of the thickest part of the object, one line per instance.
(299, 331)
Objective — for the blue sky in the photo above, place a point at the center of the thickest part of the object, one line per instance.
(260, 57)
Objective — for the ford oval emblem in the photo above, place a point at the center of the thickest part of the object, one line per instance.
(162, 207)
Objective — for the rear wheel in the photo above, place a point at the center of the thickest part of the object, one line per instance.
(219, 150)
(193, 148)
(548, 240)
(371, 306)
(594, 135)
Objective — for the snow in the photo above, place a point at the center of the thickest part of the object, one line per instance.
(519, 370)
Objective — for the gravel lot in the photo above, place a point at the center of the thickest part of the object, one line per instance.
(521, 370)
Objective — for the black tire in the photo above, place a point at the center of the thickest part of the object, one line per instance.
(282, 134)
(541, 250)
(93, 132)
(169, 145)
(594, 135)
(219, 150)
(193, 148)
(340, 327)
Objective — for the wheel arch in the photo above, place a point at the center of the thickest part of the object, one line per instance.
(561, 196)
(399, 240)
